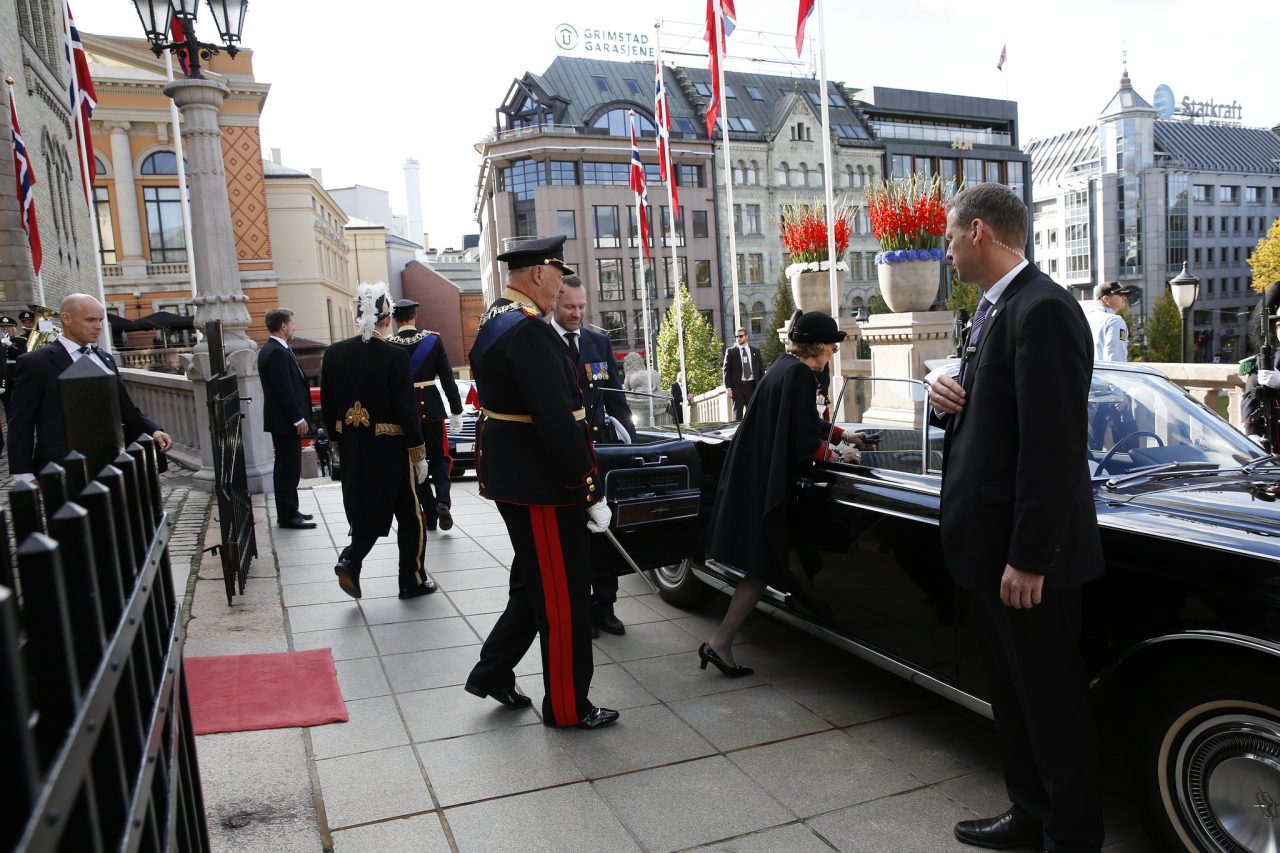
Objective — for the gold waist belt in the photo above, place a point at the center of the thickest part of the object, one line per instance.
(424, 384)
(578, 415)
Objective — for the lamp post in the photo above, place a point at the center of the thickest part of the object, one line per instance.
(170, 25)
(1185, 287)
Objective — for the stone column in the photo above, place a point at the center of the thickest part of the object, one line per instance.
(128, 228)
(900, 346)
(218, 274)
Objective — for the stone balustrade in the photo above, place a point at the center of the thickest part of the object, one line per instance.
(170, 401)
(167, 359)
(711, 407)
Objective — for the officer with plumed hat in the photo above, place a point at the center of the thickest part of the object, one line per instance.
(536, 461)
(431, 373)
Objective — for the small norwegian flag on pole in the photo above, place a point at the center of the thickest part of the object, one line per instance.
(83, 101)
(662, 120)
(806, 9)
(26, 181)
(1004, 54)
(641, 191)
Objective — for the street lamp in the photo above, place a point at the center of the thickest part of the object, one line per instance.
(1185, 287)
(163, 19)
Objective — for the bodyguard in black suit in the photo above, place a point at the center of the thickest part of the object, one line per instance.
(1019, 531)
(429, 369)
(742, 369)
(37, 432)
(286, 414)
(536, 462)
(596, 369)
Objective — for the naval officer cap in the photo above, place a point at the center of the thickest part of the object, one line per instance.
(8, 321)
(26, 315)
(815, 327)
(1112, 288)
(403, 304)
(533, 253)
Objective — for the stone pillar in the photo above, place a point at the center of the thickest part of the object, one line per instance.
(218, 274)
(900, 346)
(128, 227)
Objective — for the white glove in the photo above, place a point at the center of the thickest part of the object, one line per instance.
(420, 471)
(1270, 378)
(843, 453)
(455, 423)
(598, 517)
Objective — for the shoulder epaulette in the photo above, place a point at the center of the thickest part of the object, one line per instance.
(495, 310)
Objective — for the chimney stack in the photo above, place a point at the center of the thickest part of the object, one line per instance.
(275, 156)
(318, 174)
(413, 197)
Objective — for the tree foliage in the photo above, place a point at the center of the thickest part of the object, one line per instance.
(783, 307)
(877, 305)
(1164, 330)
(701, 347)
(1265, 261)
(964, 296)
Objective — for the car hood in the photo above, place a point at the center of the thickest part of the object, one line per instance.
(1248, 503)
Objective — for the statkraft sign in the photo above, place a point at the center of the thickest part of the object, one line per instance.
(1210, 109)
(603, 42)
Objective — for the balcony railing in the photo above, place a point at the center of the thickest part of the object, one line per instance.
(167, 269)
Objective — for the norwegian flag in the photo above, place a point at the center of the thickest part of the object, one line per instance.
(729, 20)
(83, 98)
(806, 9)
(662, 120)
(26, 182)
(1004, 54)
(641, 191)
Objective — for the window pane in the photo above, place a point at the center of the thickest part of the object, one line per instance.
(702, 273)
(106, 233)
(566, 224)
(700, 223)
(615, 326)
(608, 234)
(160, 163)
(609, 279)
(164, 225)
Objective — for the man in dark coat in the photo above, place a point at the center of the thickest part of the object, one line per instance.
(286, 414)
(536, 461)
(37, 432)
(12, 345)
(429, 368)
(1018, 525)
(597, 371)
(742, 370)
(367, 401)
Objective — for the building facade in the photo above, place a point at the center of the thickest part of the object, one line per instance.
(451, 301)
(32, 52)
(310, 252)
(142, 239)
(1133, 196)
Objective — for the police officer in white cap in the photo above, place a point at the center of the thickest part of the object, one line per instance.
(1110, 332)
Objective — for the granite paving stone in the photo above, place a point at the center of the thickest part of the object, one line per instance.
(420, 833)
(497, 763)
(909, 823)
(345, 643)
(745, 717)
(642, 738)
(374, 724)
(674, 677)
(383, 611)
(648, 640)
(372, 786)
(324, 617)
(361, 678)
(479, 578)
(434, 668)
(792, 838)
(423, 634)
(858, 693)
(487, 600)
(448, 712)
(569, 819)
(933, 745)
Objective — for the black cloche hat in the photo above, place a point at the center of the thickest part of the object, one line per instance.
(533, 253)
(815, 327)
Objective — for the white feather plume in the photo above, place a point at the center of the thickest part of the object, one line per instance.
(367, 315)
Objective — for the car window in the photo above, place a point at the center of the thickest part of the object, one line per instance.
(893, 415)
(647, 410)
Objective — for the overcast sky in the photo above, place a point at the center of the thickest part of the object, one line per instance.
(358, 87)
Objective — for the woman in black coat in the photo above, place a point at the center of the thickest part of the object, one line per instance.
(779, 438)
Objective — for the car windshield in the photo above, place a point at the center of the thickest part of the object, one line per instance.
(1138, 422)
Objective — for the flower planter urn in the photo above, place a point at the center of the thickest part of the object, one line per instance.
(812, 291)
(908, 285)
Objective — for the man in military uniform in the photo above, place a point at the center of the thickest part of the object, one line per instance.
(28, 320)
(535, 459)
(597, 369)
(1110, 343)
(429, 368)
(13, 346)
(367, 400)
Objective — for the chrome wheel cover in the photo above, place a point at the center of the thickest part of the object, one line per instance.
(674, 575)
(1228, 782)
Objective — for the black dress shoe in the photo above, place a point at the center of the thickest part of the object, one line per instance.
(348, 577)
(1004, 832)
(508, 697)
(424, 588)
(446, 517)
(428, 522)
(707, 655)
(595, 631)
(298, 523)
(304, 516)
(612, 624)
(599, 718)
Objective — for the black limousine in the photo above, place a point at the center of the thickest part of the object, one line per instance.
(1182, 634)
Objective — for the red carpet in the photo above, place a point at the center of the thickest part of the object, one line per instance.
(240, 693)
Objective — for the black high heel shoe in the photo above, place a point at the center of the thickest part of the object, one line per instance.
(708, 655)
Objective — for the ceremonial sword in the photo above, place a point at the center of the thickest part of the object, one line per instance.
(630, 562)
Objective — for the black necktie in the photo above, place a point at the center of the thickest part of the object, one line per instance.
(975, 331)
(572, 338)
(88, 349)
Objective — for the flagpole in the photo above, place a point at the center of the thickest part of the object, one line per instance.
(640, 266)
(675, 261)
(182, 175)
(40, 287)
(828, 194)
(728, 175)
(104, 337)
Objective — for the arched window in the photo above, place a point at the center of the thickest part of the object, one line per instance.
(99, 168)
(816, 176)
(617, 123)
(780, 175)
(753, 173)
(160, 163)
(737, 172)
(800, 177)
(846, 177)
(756, 325)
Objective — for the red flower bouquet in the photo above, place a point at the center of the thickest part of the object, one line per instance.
(909, 218)
(804, 234)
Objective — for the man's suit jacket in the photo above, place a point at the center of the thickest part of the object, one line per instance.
(597, 368)
(732, 367)
(1015, 486)
(37, 433)
(286, 398)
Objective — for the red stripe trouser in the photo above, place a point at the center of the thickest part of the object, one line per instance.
(550, 597)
